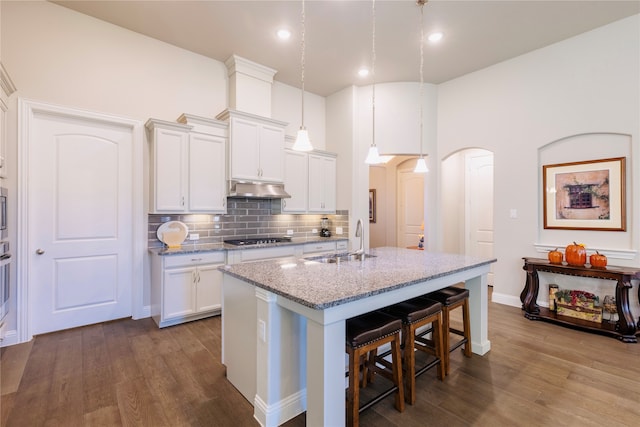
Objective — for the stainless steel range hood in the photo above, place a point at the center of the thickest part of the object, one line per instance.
(261, 190)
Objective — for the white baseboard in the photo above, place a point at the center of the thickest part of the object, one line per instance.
(505, 299)
(10, 338)
(280, 412)
(146, 312)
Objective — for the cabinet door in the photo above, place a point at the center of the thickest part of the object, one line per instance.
(329, 175)
(179, 293)
(209, 288)
(271, 153)
(296, 171)
(245, 135)
(169, 164)
(206, 173)
(3, 139)
(322, 184)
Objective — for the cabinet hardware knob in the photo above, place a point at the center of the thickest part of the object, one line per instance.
(39, 251)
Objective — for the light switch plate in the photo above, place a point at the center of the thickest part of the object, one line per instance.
(338, 230)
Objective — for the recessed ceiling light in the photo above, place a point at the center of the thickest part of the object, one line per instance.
(435, 37)
(363, 72)
(284, 34)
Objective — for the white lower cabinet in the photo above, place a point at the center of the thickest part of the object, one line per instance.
(185, 287)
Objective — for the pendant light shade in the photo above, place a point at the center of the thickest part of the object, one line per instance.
(302, 140)
(303, 143)
(373, 158)
(421, 165)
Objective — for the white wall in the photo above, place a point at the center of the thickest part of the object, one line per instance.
(286, 106)
(588, 83)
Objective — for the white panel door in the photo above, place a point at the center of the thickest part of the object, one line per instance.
(80, 222)
(410, 208)
(480, 207)
(209, 288)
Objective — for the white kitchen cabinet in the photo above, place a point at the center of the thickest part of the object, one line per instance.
(322, 183)
(256, 147)
(185, 287)
(6, 89)
(187, 169)
(296, 181)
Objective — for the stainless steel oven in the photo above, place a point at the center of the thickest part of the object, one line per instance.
(5, 276)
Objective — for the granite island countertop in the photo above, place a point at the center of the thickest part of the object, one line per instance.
(321, 285)
(189, 248)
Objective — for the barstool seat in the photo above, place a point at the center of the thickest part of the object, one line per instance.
(452, 298)
(365, 333)
(415, 314)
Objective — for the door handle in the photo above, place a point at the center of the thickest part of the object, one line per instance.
(39, 251)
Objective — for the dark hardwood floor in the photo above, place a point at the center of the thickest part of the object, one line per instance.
(132, 373)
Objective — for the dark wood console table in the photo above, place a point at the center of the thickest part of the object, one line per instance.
(624, 329)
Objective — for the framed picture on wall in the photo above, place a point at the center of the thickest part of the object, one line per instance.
(372, 205)
(588, 195)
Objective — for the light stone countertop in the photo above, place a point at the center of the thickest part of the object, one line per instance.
(189, 248)
(319, 285)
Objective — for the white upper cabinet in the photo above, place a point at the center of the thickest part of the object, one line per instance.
(187, 167)
(6, 89)
(168, 166)
(207, 190)
(322, 183)
(256, 144)
(296, 177)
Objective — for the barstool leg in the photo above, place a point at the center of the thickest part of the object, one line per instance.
(439, 345)
(397, 371)
(409, 362)
(445, 338)
(467, 327)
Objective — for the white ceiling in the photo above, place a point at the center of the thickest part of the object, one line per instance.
(338, 33)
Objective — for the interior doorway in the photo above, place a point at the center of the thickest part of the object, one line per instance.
(467, 203)
(399, 203)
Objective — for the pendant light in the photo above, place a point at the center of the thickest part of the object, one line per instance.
(302, 139)
(373, 158)
(421, 165)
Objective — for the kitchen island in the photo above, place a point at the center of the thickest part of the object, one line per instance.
(284, 322)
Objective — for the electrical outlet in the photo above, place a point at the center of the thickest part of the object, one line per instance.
(289, 232)
(314, 230)
(194, 236)
(338, 230)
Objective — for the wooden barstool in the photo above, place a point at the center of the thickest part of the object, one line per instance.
(366, 333)
(416, 313)
(452, 298)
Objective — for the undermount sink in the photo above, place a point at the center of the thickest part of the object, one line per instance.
(337, 259)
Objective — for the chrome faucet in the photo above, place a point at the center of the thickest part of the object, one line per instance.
(360, 234)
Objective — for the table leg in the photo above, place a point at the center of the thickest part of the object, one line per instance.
(478, 306)
(325, 374)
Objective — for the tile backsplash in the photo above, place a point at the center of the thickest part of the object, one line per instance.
(247, 218)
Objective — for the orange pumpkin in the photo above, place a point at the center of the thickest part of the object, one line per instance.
(555, 256)
(598, 260)
(576, 254)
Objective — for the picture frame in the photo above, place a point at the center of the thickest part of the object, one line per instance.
(586, 195)
(372, 205)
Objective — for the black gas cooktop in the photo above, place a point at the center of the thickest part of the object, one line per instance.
(258, 241)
